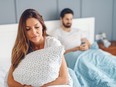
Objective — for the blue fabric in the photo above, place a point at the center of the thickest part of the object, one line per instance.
(96, 69)
(72, 56)
(74, 78)
(94, 46)
(93, 68)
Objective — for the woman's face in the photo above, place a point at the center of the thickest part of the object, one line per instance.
(34, 30)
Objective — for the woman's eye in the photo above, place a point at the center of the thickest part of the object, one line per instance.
(27, 29)
(37, 27)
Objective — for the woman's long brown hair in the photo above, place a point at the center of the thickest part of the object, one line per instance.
(22, 44)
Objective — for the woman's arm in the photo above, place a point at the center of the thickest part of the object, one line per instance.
(63, 76)
(11, 82)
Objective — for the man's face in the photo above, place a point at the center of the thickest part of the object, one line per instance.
(67, 20)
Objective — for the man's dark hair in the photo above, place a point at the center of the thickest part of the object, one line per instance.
(66, 11)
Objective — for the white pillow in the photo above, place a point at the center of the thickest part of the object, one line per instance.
(39, 67)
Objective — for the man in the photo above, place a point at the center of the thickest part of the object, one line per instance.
(92, 67)
(72, 39)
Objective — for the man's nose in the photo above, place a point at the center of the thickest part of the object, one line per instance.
(70, 21)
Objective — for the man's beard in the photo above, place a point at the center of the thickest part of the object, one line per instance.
(68, 25)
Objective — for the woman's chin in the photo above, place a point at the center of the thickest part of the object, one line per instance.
(35, 41)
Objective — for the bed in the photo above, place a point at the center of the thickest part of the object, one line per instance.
(8, 34)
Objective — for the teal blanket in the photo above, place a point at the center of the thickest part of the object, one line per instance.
(93, 68)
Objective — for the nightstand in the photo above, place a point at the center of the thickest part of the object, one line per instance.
(111, 49)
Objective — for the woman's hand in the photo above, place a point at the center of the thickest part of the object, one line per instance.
(63, 75)
(44, 86)
(27, 86)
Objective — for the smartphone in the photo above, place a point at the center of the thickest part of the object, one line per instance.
(82, 43)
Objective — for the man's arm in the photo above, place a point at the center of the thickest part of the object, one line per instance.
(72, 49)
(85, 45)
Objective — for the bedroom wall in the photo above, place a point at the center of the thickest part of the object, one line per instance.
(48, 9)
(75, 5)
(114, 21)
(102, 10)
(7, 12)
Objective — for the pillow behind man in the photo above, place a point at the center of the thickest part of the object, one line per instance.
(39, 67)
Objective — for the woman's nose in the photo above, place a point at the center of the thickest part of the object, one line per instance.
(33, 31)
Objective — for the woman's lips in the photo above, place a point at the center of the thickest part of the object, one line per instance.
(34, 37)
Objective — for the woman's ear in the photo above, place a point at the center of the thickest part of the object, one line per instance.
(44, 32)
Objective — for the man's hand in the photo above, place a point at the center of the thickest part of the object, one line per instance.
(84, 47)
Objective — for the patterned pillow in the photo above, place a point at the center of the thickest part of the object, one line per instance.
(39, 67)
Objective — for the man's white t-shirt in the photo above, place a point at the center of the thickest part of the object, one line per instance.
(69, 39)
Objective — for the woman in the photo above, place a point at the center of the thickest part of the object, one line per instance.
(32, 36)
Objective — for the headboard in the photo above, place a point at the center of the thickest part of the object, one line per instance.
(8, 34)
